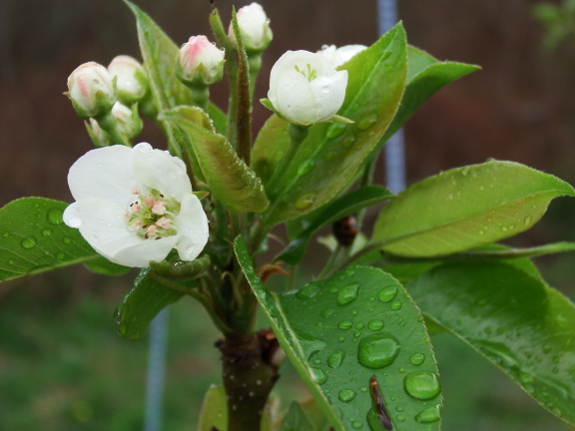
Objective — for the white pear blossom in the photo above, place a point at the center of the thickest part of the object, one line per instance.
(305, 88)
(200, 61)
(254, 27)
(341, 55)
(134, 205)
(132, 81)
(91, 91)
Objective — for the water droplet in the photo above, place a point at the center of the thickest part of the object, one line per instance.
(318, 375)
(308, 291)
(378, 350)
(356, 334)
(375, 325)
(357, 425)
(336, 359)
(395, 305)
(305, 201)
(305, 167)
(422, 385)
(335, 130)
(327, 312)
(46, 232)
(530, 389)
(28, 242)
(66, 240)
(346, 395)
(417, 358)
(347, 294)
(502, 354)
(55, 217)
(348, 141)
(345, 324)
(430, 414)
(359, 325)
(481, 232)
(387, 293)
(366, 122)
(330, 155)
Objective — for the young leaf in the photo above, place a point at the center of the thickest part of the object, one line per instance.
(340, 331)
(331, 154)
(229, 179)
(103, 266)
(34, 239)
(296, 420)
(465, 208)
(511, 318)
(335, 210)
(143, 303)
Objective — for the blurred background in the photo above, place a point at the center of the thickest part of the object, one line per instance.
(62, 365)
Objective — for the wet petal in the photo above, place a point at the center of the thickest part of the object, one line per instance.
(192, 225)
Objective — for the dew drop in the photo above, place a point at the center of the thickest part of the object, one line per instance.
(348, 141)
(345, 324)
(305, 201)
(346, 395)
(359, 325)
(308, 291)
(357, 425)
(327, 312)
(336, 359)
(46, 232)
(395, 305)
(60, 256)
(422, 385)
(417, 358)
(6, 235)
(28, 242)
(348, 294)
(387, 293)
(305, 167)
(54, 216)
(318, 375)
(430, 414)
(366, 122)
(356, 334)
(378, 350)
(335, 130)
(118, 314)
(375, 325)
(66, 240)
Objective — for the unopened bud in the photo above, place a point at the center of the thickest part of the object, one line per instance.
(339, 56)
(91, 90)
(128, 123)
(200, 62)
(132, 81)
(254, 28)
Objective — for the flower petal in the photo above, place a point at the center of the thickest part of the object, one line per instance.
(104, 173)
(159, 170)
(330, 93)
(192, 225)
(140, 254)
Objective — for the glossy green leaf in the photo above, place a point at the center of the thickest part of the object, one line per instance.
(513, 319)
(229, 179)
(340, 331)
(34, 239)
(332, 152)
(335, 210)
(315, 414)
(103, 266)
(143, 303)
(296, 420)
(425, 77)
(465, 208)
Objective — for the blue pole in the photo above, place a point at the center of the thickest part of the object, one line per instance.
(156, 371)
(394, 149)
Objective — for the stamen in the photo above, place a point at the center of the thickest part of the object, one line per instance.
(152, 230)
(149, 201)
(159, 208)
(135, 207)
(136, 190)
(164, 223)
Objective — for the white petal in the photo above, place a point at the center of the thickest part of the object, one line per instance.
(159, 170)
(330, 94)
(140, 254)
(104, 173)
(295, 98)
(192, 225)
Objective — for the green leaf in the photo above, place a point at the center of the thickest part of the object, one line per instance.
(315, 414)
(229, 179)
(34, 239)
(335, 210)
(269, 147)
(514, 320)
(331, 154)
(143, 303)
(296, 420)
(340, 331)
(219, 118)
(103, 266)
(465, 208)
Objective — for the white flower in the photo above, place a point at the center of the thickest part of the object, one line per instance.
(305, 88)
(134, 205)
(200, 61)
(91, 91)
(132, 82)
(339, 56)
(254, 27)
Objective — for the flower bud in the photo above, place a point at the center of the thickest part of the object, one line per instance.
(91, 90)
(339, 56)
(132, 81)
(305, 88)
(200, 62)
(128, 124)
(98, 136)
(254, 28)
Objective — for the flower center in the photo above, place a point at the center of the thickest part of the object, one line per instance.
(309, 73)
(151, 216)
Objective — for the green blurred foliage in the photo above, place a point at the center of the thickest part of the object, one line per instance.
(558, 22)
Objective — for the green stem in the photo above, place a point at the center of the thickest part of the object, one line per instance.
(255, 63)
(374, 246)
(108, 123)
(330, 263)
(200, 95)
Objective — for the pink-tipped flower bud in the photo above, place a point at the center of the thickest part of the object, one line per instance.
(200, 62)
(91, 90)
(132, 81)
(254, 28)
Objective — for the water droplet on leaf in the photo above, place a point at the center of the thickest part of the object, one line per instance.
(28, 242)
(305, 201)
(346, 395)
(318, 375)
(375, 325)
(378, 350)
(308, 291)
(387, 293)
(347, 294)
(336, 359)
(345, 324)
(54, 216)
(422, 385)
(417, 358)
(430, 414)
